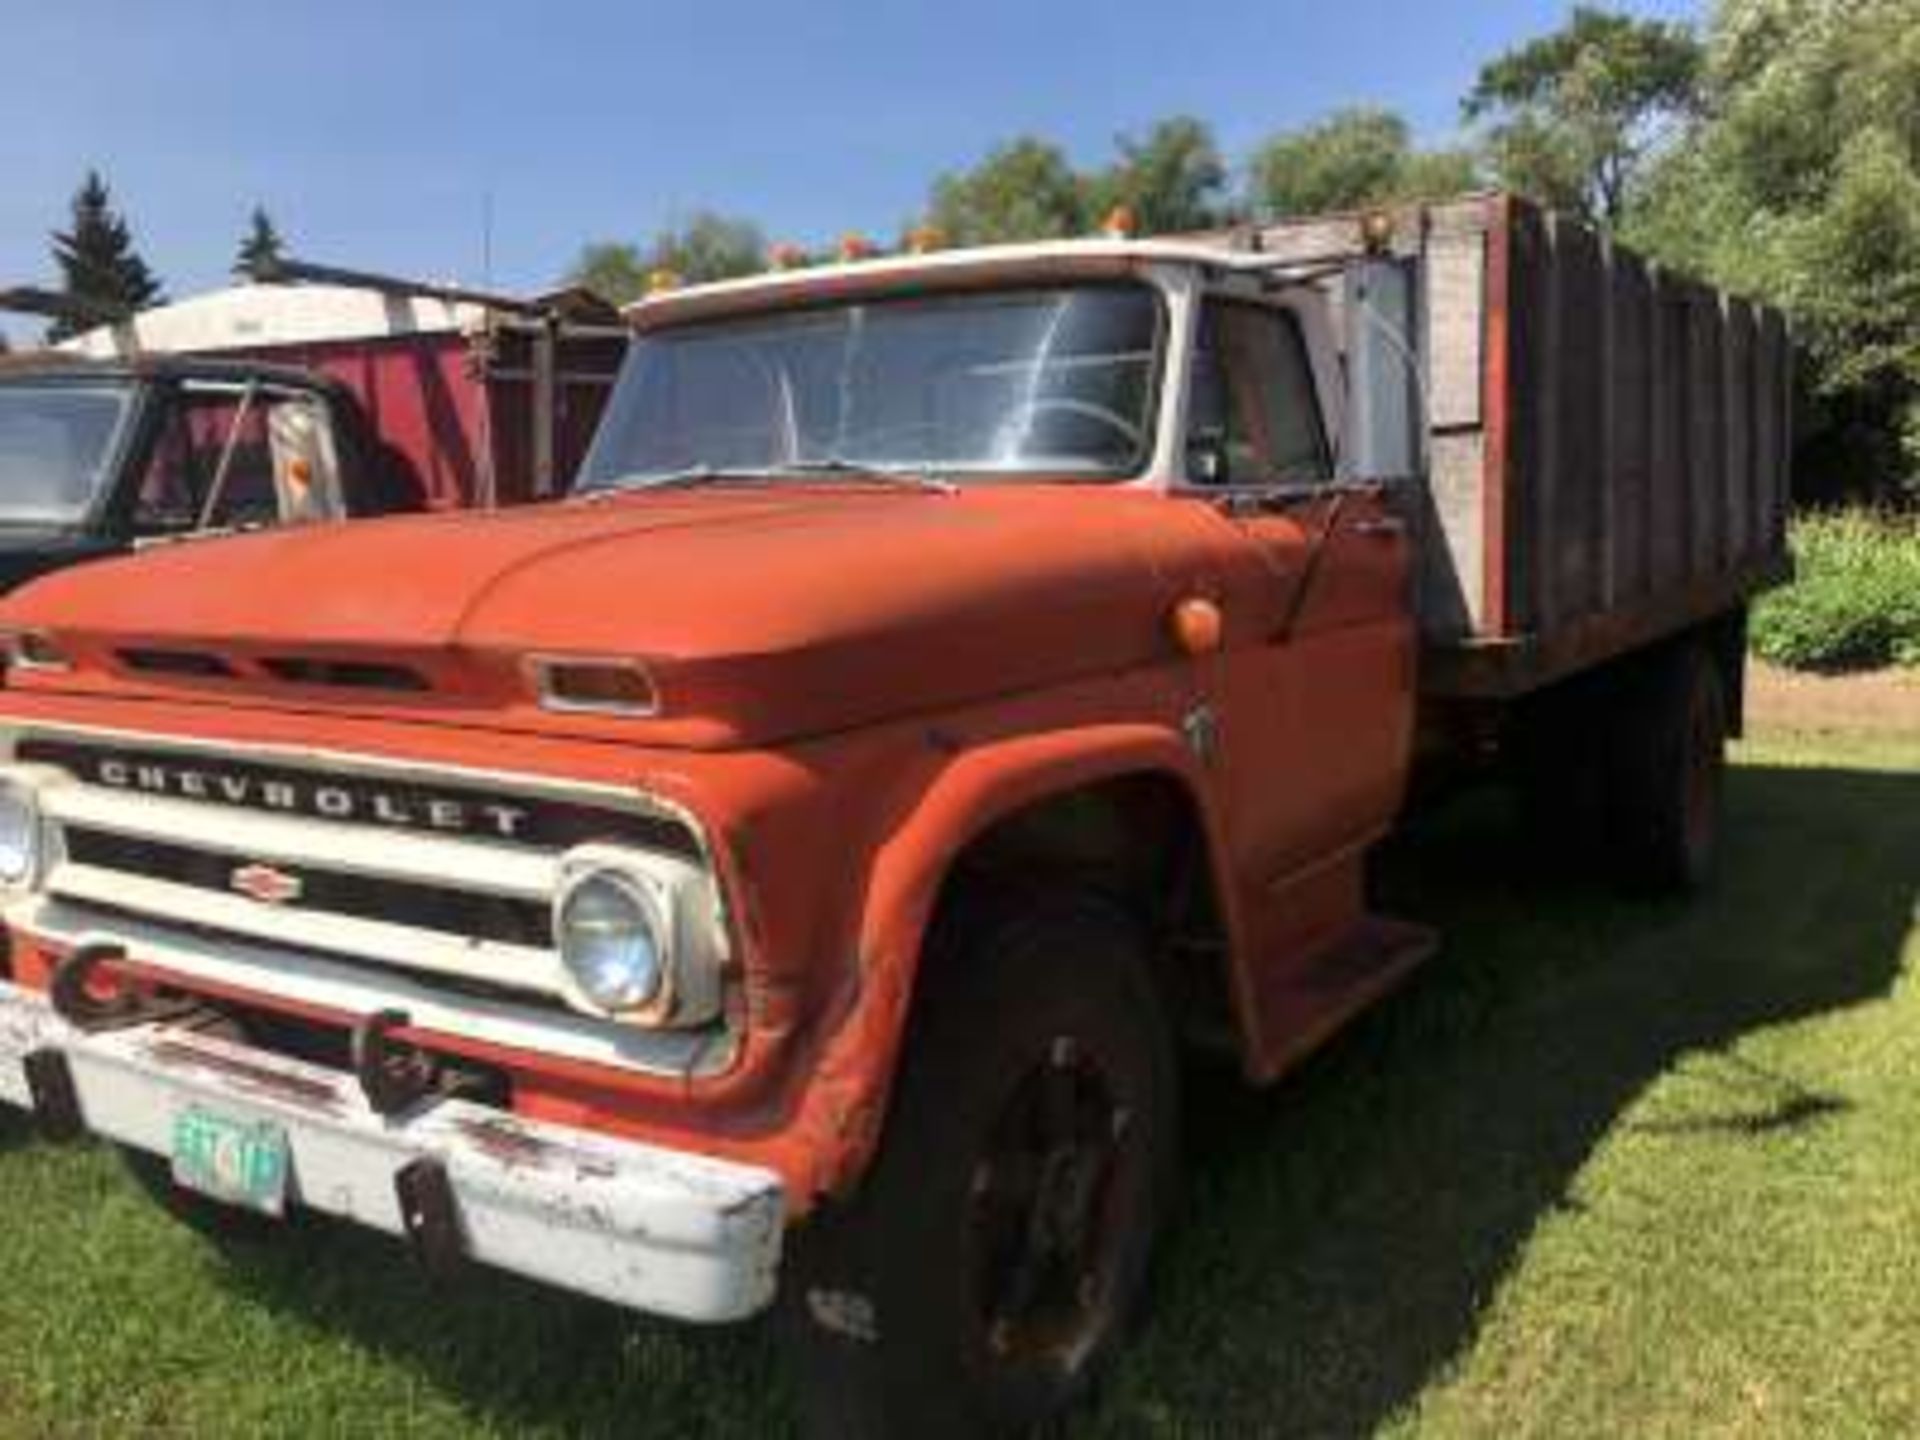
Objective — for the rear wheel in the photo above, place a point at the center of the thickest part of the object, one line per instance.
(983, 1276)
(1664, 803)
(1624, 766)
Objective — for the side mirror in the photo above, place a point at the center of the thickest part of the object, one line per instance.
(1207, 456)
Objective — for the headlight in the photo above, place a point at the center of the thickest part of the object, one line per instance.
(639, 935)
(612, 939)
(19, 834)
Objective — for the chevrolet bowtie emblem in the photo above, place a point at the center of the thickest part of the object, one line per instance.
(266, 884)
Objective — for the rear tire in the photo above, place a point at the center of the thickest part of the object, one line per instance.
(981, 1279)
(1668, 773)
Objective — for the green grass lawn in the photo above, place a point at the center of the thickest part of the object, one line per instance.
(1605, 1167)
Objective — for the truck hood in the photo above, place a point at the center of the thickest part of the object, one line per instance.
(762, 612)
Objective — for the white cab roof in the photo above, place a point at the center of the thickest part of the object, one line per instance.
(1040, 261)
(254, 317)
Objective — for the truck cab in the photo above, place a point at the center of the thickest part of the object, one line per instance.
(790, 867)
(99, 457)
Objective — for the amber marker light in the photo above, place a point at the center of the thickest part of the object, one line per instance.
(856, 247)
(1376, 231)
(786, 256)
(1119, 224)
(1198, 625)
(925, 239)
(659, 282)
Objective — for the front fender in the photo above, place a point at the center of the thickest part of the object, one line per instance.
(982, 785)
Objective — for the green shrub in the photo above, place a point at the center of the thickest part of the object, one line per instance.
(1854, 603)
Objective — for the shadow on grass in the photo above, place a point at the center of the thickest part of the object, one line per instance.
(16, 1129)
(1343, 1233)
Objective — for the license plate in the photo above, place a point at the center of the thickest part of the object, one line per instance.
(240, 1162)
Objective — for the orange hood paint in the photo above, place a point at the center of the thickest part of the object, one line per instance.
(766, 611)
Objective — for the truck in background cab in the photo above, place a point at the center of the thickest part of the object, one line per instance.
(282, 404)
(792, 866)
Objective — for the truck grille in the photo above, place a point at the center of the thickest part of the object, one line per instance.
(381, 866)
(453, 912)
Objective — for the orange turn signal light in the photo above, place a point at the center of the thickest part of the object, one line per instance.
(1376, 231)
(1198, 625)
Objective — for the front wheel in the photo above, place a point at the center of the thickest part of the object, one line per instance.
(984, 1274)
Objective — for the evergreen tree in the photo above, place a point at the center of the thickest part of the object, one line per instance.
(102, 270)
(261, 251)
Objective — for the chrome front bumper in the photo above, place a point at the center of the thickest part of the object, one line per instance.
(642, 1226)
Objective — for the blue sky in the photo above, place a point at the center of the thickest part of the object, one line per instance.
(375, 133)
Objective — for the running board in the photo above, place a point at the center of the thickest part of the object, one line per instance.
(1314, 1000)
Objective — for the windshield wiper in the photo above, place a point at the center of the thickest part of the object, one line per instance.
(920, 478)
(683, 478)
(830, 466)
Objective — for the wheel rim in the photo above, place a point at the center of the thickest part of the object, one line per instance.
(1051, 1195)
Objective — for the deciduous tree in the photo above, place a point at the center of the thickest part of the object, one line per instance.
(1363, 155)
(1023, 190)
(1171, 179)
(1571, 115)
(1802, 186)
(707, 246)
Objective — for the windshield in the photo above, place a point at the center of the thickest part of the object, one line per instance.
(55, 442)
(1037, 381)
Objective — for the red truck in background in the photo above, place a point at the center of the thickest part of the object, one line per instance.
(288, 404)
(792, 865)
(481, 399)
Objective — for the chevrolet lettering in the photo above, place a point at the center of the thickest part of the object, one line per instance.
(317, 798)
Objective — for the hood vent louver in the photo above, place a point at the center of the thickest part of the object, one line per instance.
(149, 661)
(345, 674)
(307, 670)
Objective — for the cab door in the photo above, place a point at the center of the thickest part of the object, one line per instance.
(1316, 722)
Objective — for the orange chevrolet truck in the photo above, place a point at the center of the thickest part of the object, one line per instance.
(792, 867)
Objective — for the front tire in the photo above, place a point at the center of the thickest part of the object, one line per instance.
(981, 1279)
